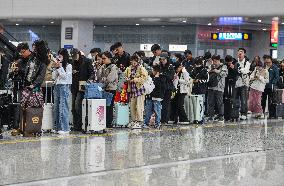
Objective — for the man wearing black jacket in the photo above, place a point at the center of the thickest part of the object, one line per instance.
(121, 58)
(82, 72)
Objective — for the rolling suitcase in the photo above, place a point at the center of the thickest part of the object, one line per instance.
(188, 107)
(197, 108)
(32, 121)
(94, 115)
(279, 96)
(48, 119)
(228, 103)
(121, 114)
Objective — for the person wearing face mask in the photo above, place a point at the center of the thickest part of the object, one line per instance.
(258, 79)
(136, 75)
(167, 72)
(93, 53)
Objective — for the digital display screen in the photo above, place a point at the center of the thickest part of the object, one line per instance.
(234, 36)
(231, 20)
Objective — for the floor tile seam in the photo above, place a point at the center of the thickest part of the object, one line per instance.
(137, 168)
(112, 134)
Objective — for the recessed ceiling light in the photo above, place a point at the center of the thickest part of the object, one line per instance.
(137, 24)
(259, 21)
(264, 29)
(17, 24)
(209, 24)
(105, 26)
(52, 22)
(184, 21)
(218, 29)
(282, 23)
(163, 26)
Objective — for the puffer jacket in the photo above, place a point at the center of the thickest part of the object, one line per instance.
(108, 76)
(259, 84)
(139, 78)
(221, 77)
(183, 83)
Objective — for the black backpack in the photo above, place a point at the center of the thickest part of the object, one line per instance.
(213, 78)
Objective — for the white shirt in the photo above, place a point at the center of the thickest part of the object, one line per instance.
(62, 77)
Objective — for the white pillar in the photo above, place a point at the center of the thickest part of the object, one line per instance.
(81, 36)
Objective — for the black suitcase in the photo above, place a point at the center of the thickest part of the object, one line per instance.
(230, 113)
(276, 111)
(14, 115)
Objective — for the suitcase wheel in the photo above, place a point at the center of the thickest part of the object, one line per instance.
(104, 131)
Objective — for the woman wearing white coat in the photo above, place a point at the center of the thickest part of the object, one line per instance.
(62, 76)
(181, 83)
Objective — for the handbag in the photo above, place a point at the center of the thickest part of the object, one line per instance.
(93, 91)
(31, 98)
(149, 85)
(108, 97)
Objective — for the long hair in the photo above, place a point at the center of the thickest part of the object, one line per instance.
(65, 55)
(41, 52)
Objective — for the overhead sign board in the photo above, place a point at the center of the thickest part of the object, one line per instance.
(177, 48)
(234, 36)
(146, 47)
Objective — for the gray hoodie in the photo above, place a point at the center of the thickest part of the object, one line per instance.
(221, 77)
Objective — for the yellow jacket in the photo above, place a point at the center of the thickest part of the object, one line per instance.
(139, 78)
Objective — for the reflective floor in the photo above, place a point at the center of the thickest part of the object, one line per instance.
(249, 153)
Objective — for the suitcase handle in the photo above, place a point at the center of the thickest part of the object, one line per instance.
(87, 116)
(48, 82)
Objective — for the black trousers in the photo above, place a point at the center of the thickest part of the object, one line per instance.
(109, 110)
(215, 101)
(77, 112)
(240, 95)
(267, 93)
(166, 104)
(178, 108)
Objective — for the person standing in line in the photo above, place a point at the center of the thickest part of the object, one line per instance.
(241, 91)
(108, 76)
(216, 86)
(270, 86)
(136, 75)
(258, 79)
(167, 72)
(62, 76)
(181, 82)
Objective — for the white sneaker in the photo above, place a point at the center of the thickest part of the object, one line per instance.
(170, 122)
(243, 117)
(130, 124)
(61, 132)
(137, 125)
(262, 116)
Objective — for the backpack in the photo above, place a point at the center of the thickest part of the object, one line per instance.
(149, 85)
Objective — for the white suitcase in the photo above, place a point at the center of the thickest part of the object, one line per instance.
(94, 112)
(197, 102)
(47, 119)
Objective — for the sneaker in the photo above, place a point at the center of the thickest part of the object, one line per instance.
(145, 126)
(130, 124)
(243, 117)
(170, 122)
(158, 126)
(209, 120)
(137, 125)
(54, 131)
(262, 116)
(221, 120)
(61, 132)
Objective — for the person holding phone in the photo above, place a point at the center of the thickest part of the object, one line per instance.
(62, 76)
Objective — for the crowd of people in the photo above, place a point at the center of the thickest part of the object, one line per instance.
(238, 85)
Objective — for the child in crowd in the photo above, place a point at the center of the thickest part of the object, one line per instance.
(153, 101)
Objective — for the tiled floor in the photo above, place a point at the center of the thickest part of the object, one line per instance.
(249, 153)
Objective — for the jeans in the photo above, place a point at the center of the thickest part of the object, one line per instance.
(152, 106)
(61, 107)
(215, 98)
(109, 111)
(240, 94)
(77, 114)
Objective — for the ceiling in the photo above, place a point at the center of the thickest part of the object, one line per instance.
(249, 23)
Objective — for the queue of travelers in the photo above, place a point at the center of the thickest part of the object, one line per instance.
(175, 75)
